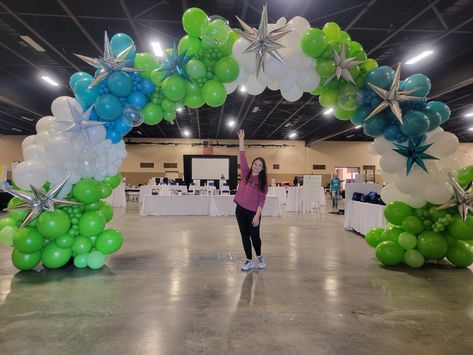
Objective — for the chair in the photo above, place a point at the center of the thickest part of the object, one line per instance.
(225, 190)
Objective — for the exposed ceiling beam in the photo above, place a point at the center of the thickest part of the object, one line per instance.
(291, 116)
(145, 11)
(17, 105)
(452, 30)
(267, 116)
(454, 87)
(127, 13)
(330, 15)
(158, 31)
(244, 9)
(360, 14)
(222, 108)
(198, 120)
(246, 113)
(440, 18)
(415, 30)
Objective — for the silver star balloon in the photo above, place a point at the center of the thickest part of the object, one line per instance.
(261, 41)
(392, 97)
(39, 200)
(462, 198)
(109, 63)
(80, 124)
(343, 64)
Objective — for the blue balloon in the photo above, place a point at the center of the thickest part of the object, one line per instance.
(120, 42)
(382, 76)
(415, 124)
(122, 127)
(113, 135)
(138, 99)
(360, 115)
(417, 81)
(77, 76)
(441, 108)
(108, 107)
(147, 86)
(434, 119)
(120, 83)
(83, 94)
(375, 126)
(392, 132)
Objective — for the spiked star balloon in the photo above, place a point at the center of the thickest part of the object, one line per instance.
(343, 64)
(39, 200)
(80, 124)
(414, 152)
(462, 198)
(392, 97)
(261, 41)
(175, 63)
(109, 63)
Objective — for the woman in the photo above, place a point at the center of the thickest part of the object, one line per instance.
(250, 199)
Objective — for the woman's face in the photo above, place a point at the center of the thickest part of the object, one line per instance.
(257, 167)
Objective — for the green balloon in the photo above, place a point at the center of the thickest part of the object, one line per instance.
(347, 94)
(195, 69)
(332, 31)
(215, 33)
(152, 113)
(80, 261)
(465, 175)
(106, 211)
(355, 72)
(91, 223)
(174, 87)
(94, 206)
(396, 211)
(461, 230)
(53, 224)
(326, 68)
(214, 93)
(226, 49)
(389, 253)
(341, 114)
(369, 64)
(28, 240)
(7, 233)
(227, 69)
(87, 191)
(432, 245)
(25, 261)
(193, 20)
(54, 257)
(392, 233)
(146, 62)
(18, 215)
(109, 241)
(413, 258)
(407, 240)
(195, 101)
(374, 237)
(354, 47)
(105, 190)
(328, 98)
(64, 241)
(157, 76)
(7, 222)
(413, 224)
(95, 259)
(460, 254)
(169, 116)
(192, 90)
(360, 55)
(113, 181)
(191, 45)
(168, 105)
(314, 42)
(345, 37)
(93, 240)
(81, 245)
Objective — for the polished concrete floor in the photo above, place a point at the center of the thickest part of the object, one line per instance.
(175, 288)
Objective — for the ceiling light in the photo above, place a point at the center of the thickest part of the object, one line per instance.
(231, 123)
(328, 111)
(158, 51)
(16, 129)
(469, 114)
(470, 129)
(186, 133)
(358, 127)
(242, 89)
(33, 43)
(139, 132)
(420, 57)
(50, 81)
(179, 109)
(27, 118)
(293, 135)
(256, 109)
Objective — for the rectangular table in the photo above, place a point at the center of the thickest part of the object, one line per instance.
(362, 217)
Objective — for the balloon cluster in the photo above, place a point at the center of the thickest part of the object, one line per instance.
(415, 236)
(74, 233)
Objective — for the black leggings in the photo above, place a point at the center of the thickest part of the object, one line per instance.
(249, 233)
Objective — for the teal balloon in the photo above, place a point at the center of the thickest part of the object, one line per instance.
(120, 83)
(77, 76)
(108, 107)
(95, 259)
(417, 81)
(375, 126)
(382, 77)
(80, 261)
(441, 108)
(120, 42)
(434, 119)
(415, 124)
(54, 257)
(360, 115)
(83, 94)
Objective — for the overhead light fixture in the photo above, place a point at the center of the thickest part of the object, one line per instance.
(16, 129)
(255, 109)
(27, 118)
(158, 51)
(328, 111)
(293, 135)
(179, 109)
(186, 133)
(358, 127)
(470, 129)
(242, 89)
(469, 114)
(139, 132)
(419, 57)
(32, 43)
(49, 80)
(231, 123)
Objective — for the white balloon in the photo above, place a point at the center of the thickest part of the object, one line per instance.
(243, 76)
(287, 83)
(390, 193)
(34, 152)
(30, 172)
(392, 163)
(433, 133)
(56, 174)
(44, 123)
(372, 150)
(112, 171)
(411, 183)
(27, 141)
(274, 69)
(438, 192)
(416, 201)
(230, 87)
(238, 49)
(292, 95)
(59, 149)
(382, 145)
(61, 110)
(96, 134)
(274, 86)
(66, 190)
(444, 144)
(307, 80)
(42, 138)
(100, 177)
(449, 164)
(463, 157)
(299, 24)
(74, 176)
(253, 86)
(389, 178)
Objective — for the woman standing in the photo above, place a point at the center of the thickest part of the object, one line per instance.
(250, 199)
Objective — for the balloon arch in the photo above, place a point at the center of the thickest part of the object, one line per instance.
(58, 212)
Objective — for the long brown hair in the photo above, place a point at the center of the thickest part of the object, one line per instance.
(262, 177)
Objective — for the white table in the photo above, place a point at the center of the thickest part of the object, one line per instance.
(362, 216)
(163, 190)
(224, 206)
(279, 191)
(294, 200)
(118, 197)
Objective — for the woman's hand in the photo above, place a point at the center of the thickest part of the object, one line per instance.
(241, 134)
(255, 221)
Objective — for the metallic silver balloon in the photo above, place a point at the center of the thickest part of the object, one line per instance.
(462, 198)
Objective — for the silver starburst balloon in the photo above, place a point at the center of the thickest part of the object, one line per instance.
(80, 123)
(261, 41)
(343, 64)
(109, 63)
(39, 200)
(462, 198)
(392, 97)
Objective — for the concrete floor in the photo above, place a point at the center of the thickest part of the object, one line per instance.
(176, 288)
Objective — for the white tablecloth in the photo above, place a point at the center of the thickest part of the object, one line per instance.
(294, 200)
(361, 216)
(279, 191)
(163, 190)
(118, 196)
(224, 206)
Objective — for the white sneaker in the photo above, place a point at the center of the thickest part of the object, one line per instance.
(261, 263)
(247, 266)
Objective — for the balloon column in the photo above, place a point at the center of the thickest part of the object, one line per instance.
(72, 162)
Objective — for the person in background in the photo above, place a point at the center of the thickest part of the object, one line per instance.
(250, 199)
(335, 190)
